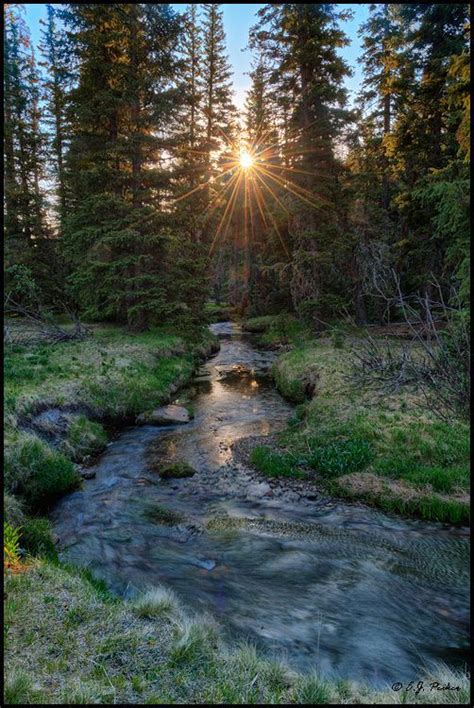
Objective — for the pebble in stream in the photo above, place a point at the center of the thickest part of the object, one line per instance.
(326, 585)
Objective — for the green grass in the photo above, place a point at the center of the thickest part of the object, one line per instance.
(155, 603)
(84, 437)
(112, 376)
(67, 643)
(39, 473)
(218, 312)
(341, 456)
(277, 330)
(343, 430)
(275, 464)
(37, 538)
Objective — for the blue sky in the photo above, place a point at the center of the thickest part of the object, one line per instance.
(238, 19)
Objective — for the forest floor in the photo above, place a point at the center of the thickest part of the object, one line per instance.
(386, 449)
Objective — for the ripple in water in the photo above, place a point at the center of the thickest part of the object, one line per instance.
(330, 586)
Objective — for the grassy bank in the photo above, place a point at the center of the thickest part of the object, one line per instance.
(68, 641)
(387, 450)
(58, 398)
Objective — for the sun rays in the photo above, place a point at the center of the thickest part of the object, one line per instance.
(254, 176)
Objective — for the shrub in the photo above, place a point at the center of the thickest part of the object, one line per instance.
(341, 457)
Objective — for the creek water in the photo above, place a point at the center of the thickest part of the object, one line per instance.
(329, 586)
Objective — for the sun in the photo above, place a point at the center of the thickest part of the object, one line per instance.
(246, 160)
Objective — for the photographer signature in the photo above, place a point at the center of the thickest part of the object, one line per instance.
(420, 686)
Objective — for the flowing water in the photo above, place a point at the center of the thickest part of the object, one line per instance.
(325, 585)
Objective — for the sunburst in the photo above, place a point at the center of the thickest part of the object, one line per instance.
(258, 174)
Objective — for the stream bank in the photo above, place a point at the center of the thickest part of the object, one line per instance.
(325, 585)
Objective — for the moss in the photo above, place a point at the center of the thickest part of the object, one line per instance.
(161, 515)
(176, 470)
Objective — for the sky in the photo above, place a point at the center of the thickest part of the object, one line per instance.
(238, 18)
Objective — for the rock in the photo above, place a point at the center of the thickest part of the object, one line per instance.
(259, 490)
(87, 474)
(166, 415)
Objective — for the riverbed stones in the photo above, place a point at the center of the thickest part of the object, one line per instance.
(259, 490)
(165, 415)
(87, 474)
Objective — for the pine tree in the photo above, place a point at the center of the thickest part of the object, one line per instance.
(423, 140)
(56, 54)
(380, 61)
(25, 227)
(119, 224)
(301, 42)
(218, 109)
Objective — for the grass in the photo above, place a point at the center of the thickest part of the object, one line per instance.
(111, 376)
(155, 603)
(218, 312)
(37, 538)
(84, 437)
(36, 471)
(68, 643)
(341, 456)
(388, 450)
(277, 330)
(274, 464)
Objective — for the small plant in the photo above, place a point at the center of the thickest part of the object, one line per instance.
(11, 548)
(341, 457)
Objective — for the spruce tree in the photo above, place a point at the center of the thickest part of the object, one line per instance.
(119, 224)
(25, 226)
(301, 42)
(58, 77)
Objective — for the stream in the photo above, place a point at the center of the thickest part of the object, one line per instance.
(323, 584)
